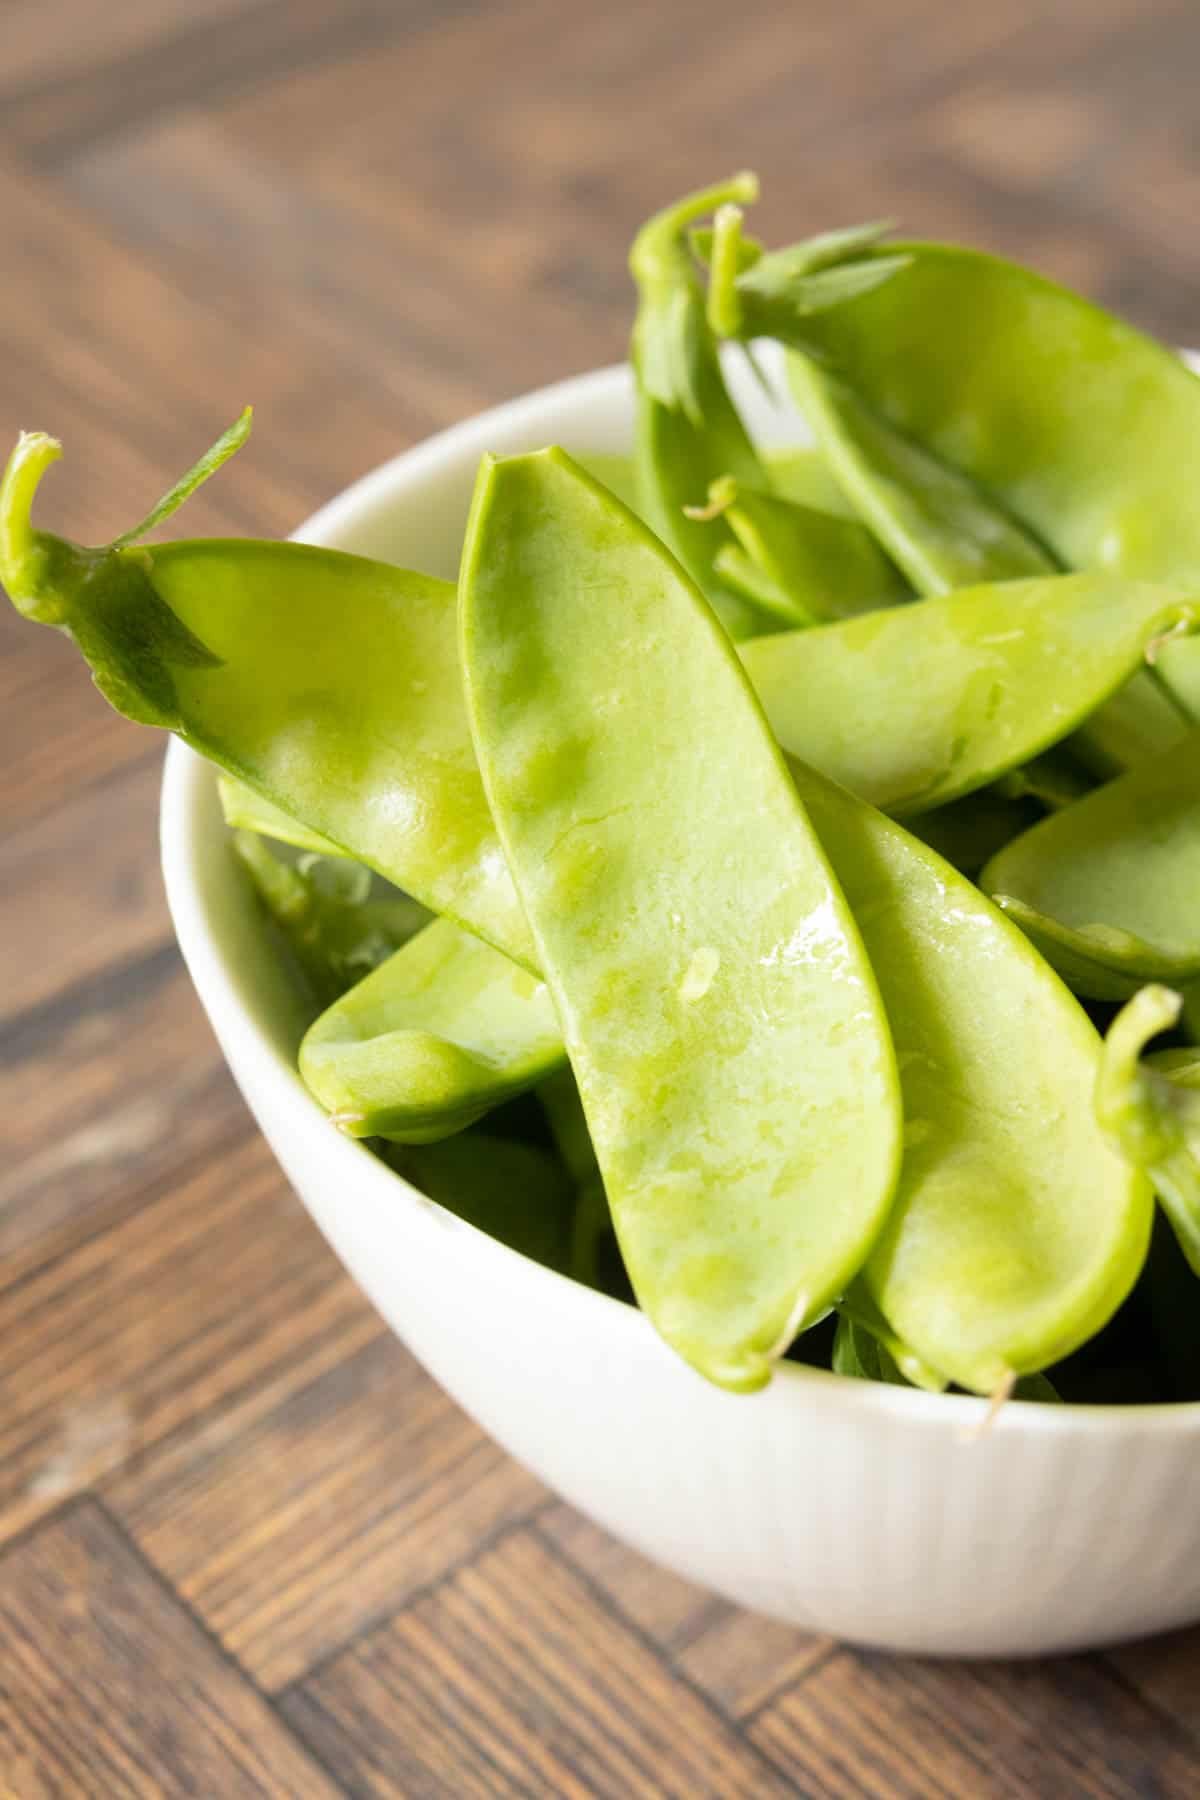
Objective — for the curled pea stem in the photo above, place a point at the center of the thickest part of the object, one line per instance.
(661, 239)
(721, 495)
(23, 553)
(40, 571)
(724, 302)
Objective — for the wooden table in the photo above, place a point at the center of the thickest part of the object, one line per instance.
(249, 1548)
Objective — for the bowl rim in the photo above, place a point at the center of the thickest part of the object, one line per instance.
(184, 838)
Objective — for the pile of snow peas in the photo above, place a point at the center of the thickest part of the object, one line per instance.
(754, 888)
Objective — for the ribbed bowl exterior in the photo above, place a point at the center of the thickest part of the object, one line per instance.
(885, 1517)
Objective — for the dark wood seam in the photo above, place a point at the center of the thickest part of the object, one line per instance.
(380, 1621)
(616, 1612)
(214, 1642)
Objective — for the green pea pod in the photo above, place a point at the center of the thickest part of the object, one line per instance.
(514, 1192)
(1107, 888)
(1076, 424)
(1016, 1232)
(336, 932)
(615, 471)
(938, 524)
(441, 1033)
(326, 682)
(721, 1018)
(870, 1352)
(1152, 1112)
(742, 575)
(1135, 724)
(919, 704)
(871, 1339)
(799, 473)
(803, 475)
(1053, 778)
(932, 520)
(246, 810)
(688, 430)
(818, 565)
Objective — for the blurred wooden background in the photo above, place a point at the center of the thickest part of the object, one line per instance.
(248, 1547)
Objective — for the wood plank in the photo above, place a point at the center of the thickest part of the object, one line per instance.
(49, 38)
(743, 1661)
(382, 286)
(201, 60)
(878, 1728)
(108, 1092)
(738, 1659)
(298, 1528)
(1166, 1672)
(511, 1679)
(146, 369)
(110, 1688)
(545, 238)
(200, 1296)
(667, 1608)
(77, 929)
(138, 374)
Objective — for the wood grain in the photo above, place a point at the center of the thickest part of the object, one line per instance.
(893, 1729)
(179, 1308)
(512, 1679)
(317, 1517)
(110, 1687)
(250, 1547)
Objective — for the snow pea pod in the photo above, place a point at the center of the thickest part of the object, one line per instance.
(1054, 778)
(335, 930)
(326, 682)
(1016, 1231)
(1081, 427)
(438, 1035)
(1135, 724)
(688, 431)
(1151, 1109)
(1107, 887)
(914, 706)
(803, 475)
(867, 1336)
(246, 810)
(813, 565)
(799, 473)
(930, 518)
(721, 1019)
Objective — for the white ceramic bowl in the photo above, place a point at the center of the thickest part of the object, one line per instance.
(862, 1510)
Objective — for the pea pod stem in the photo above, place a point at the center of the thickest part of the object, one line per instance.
(724, 306)
(1151, 1109)
(24, 554)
